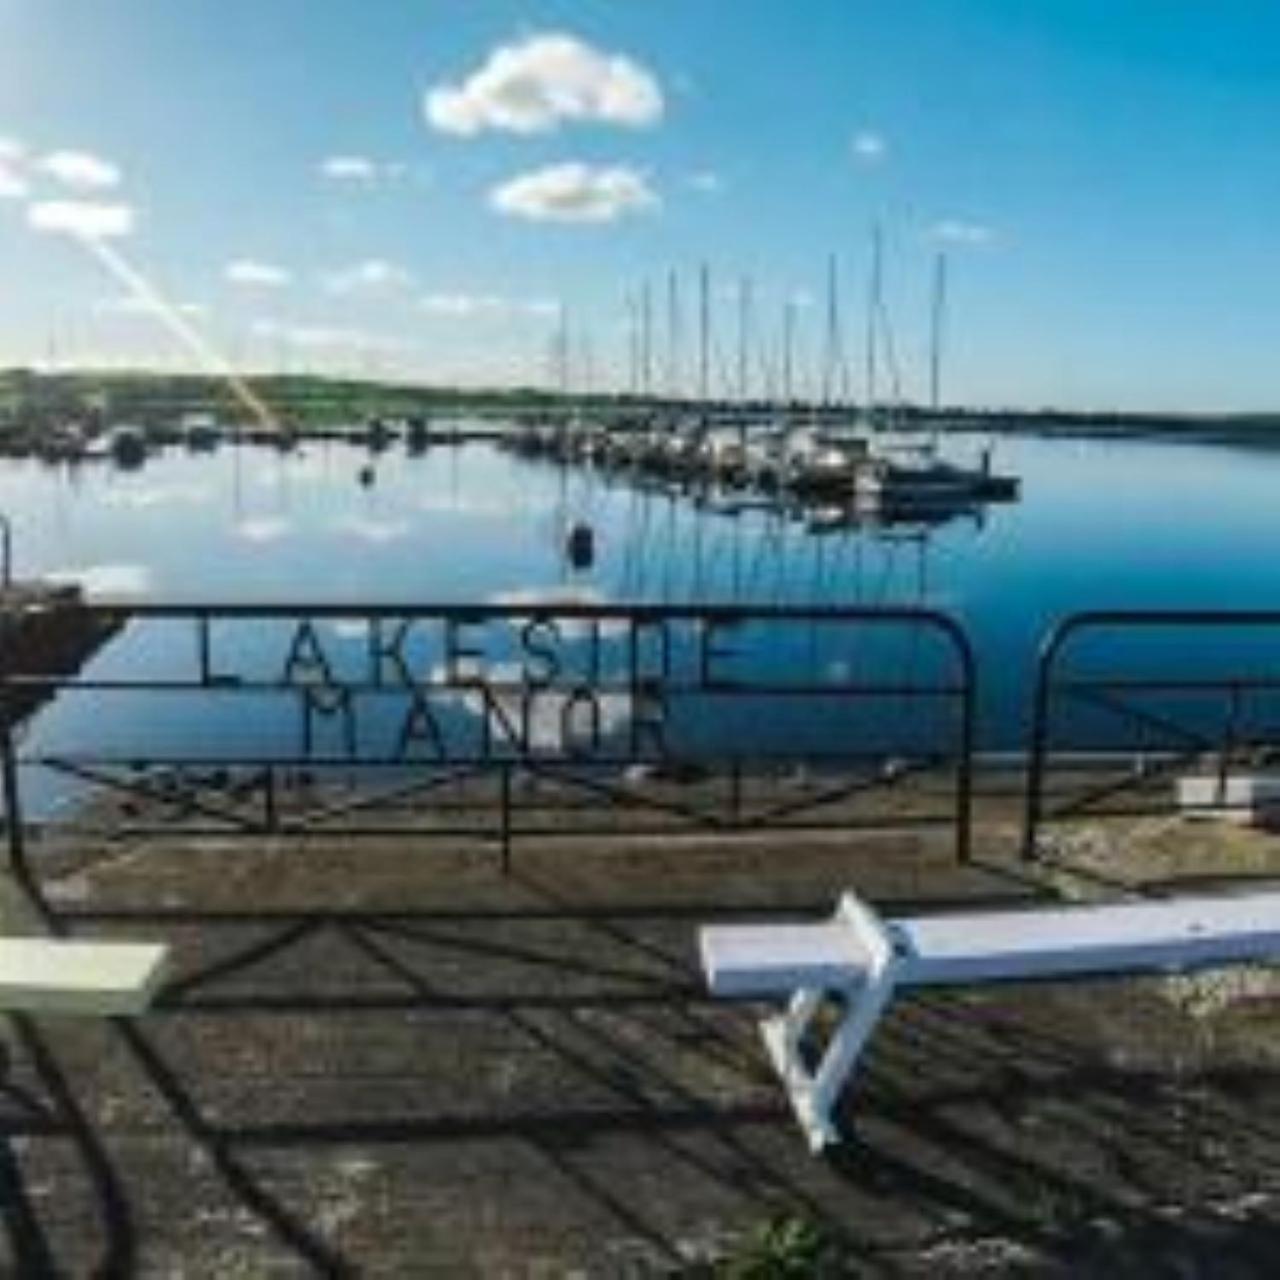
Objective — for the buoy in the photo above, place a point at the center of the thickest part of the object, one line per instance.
(580, 546)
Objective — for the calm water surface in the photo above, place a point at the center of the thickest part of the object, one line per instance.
(1122, 524)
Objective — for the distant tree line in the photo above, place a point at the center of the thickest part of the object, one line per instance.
(31, 401)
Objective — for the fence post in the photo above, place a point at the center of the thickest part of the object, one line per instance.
(19, 868)
(1227, 750)
(1039, 746)
(269, 797)
(968, 736)
(6, 552)
(1035, 763)
(505, 782)
(17, 857)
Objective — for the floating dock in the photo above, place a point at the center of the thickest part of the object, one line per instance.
(804, 467)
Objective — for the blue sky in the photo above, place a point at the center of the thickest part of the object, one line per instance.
(1103, 177)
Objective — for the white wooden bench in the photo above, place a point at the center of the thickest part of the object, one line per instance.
(1245, 798)
(66, 977)
(864, 960)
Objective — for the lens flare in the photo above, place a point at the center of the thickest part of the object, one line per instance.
(209, 358)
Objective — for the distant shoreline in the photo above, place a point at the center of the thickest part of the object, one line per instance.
(31, 401)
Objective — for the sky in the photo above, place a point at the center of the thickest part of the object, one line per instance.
(437, 189)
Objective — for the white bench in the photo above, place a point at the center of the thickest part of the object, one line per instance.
(1246, 798)
(98, 979)
(864, 959)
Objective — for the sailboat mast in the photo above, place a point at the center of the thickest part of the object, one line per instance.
(744, 333)
(788, 340)
(831, 356)
(874, 287)
(937, 326)
(561, 352)
(704, 332)
(633, 346)
(674, 388)
(646, 340)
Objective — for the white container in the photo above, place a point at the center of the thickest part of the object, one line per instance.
(1241, 797)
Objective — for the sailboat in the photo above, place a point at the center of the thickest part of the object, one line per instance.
(914, 477)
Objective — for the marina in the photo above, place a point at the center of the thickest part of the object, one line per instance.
(549, 693)
(333, 520)
(799, 467)
(638, 641)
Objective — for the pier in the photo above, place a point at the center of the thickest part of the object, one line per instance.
(473, 986)
(374, 1061)
(46, 630)
(832, 472)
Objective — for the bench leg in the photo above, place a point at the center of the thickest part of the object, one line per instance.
(784, 1039)
(813, 1095)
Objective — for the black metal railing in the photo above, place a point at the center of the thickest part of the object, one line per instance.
(501, 721)
(1165, 691)
(6, 552)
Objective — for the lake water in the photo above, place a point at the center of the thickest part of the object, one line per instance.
(1129, 524)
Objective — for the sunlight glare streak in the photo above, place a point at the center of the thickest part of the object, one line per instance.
(172, 318)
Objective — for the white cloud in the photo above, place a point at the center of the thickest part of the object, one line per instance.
(574, 192)
(465, 305)
(544, 81)
(349, 169)
(320, 337)
(375, 275)
(547, 308)
(13, 180)
(257, 275)
(953, 231)
(80, 170)
(131, 305)
(868, 146)
(13, 186)
(361, 171)
(706, 181)
(84, 219)
(461, 304)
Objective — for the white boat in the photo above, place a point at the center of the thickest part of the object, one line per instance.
(827, 465)
(919, 476)
(916, 478)
(723, 456)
